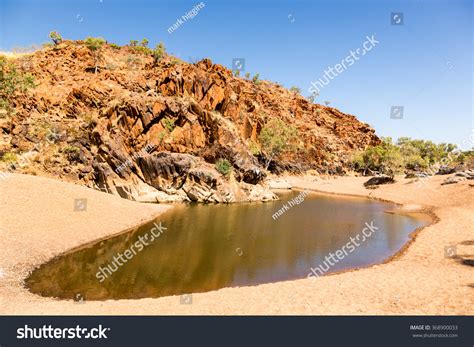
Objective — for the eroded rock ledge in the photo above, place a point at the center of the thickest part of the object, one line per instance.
(88, 127)
(175, 177)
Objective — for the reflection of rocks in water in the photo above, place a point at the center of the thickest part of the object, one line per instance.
(208, 247)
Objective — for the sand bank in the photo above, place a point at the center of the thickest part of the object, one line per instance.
(38, 221)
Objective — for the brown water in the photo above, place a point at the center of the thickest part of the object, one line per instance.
(207, 247)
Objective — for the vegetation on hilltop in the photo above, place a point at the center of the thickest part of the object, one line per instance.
(95, 45)
(55, 37)
(158, 52)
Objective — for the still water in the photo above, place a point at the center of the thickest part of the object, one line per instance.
(207, 247)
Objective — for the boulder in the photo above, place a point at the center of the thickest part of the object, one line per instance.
(378, 180)
(469, 174)
(279, 184)
(462, 174)
(253, 175)
(417, 175)
(452, 180)
(445, 170)
(258, 193)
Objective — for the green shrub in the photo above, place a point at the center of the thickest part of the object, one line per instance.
(169, 124)
(158, 52)
(276, 137)
(142, 49)
(9, 157)
(255, 79)
(465, 157)
(132, 60)
(295, 90)
(133, 43)
(4, 108)
(430, 152)
(384, 158)
(114, 46)
(161, 136)
(11, 80)
(55, 37)
(95, 45)
(247, 75)
(72, 152)
(254, 148)
(406, 154)
(415, 162)
(144, 43)
(223, 166)
(175, 60)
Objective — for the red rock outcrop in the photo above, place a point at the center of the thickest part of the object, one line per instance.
(84, 126)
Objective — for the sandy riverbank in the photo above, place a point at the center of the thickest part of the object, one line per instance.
(38, 222)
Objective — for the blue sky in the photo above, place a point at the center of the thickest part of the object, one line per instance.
(424, 65)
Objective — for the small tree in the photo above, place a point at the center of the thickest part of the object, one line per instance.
(384, 158)
(158, 52)
(133, 43)
(144, 43)
(55, 37)
(95, 45)
(276, 137)
(247, 75)
(295, 90)
(255, 78)
(237, 73)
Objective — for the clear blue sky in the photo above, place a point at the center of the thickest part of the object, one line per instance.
(424, 65)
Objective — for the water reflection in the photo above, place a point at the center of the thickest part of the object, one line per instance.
(206, 247)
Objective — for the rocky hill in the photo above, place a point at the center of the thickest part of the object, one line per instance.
(153, 132)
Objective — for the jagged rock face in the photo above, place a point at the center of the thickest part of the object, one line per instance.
(176, 177)
(166, 171)
(190, 114)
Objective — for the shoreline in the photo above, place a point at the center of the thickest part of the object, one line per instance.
(228, 300)
(412, 236)
(428, 211)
